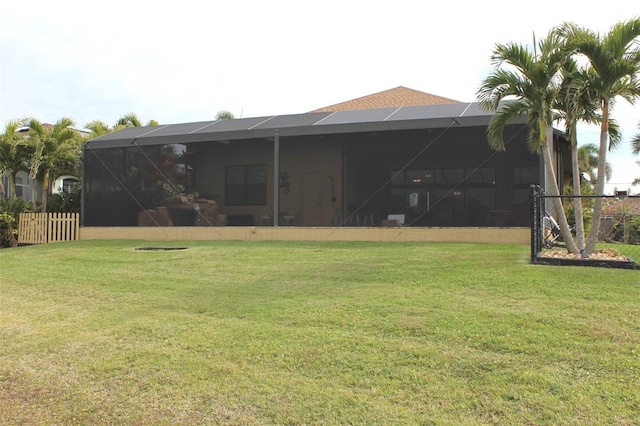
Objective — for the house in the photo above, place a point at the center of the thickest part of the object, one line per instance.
(400, 152)
(25, 187)
(620, 220)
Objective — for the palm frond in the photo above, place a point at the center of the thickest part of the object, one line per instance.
(615, 133)
(499, 85)
(635, 144)
(129, 120)
(620, 38)
(508, 113)
(98, 128)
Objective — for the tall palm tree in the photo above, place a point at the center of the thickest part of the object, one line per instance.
(573, 104)
(54, 149)
(576, 103)
(13, 156)
(532, 78)
(614, 64)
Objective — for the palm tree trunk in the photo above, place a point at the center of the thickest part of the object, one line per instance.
(602, 161)
(12, 185)
(45, 190)
(554, 192)
(577, 201)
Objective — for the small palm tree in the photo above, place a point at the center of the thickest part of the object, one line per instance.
(636, 181)
(128, 120)
(53, 149)
(533, 80)
(13, 156)
(100, 128)
(225, 115)
(588, 163)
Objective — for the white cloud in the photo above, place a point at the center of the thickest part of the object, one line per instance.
(185, 61)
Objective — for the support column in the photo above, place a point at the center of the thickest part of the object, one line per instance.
(276, 177)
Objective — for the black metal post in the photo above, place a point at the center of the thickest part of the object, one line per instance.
(276, 177)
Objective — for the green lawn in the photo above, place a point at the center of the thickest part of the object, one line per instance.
(313, 333)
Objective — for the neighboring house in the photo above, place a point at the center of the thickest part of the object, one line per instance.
(619, 218)
(400, 152)
(629, 206)
(393, 98)
(26, 187)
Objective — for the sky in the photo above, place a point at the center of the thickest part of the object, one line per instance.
(185, 61)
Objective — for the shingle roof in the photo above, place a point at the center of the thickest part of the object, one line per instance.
(398, 97)
(629, 206)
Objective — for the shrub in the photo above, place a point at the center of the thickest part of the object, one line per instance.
(10, 210)
(587, 205)
(67, 202)
(626, 229)
(633, 230)
(7, 230)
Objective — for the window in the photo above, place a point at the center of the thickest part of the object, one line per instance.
(22, 186)
(246, 185)
(523, 177)
(419, 177)
(526, 175)
(443, 196)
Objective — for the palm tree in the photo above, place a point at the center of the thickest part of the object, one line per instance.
(132, 120)
(635, 144)
(99, 127)
(533, 79)
(12, 155)
(636, 181)
(128, 120)
(225, 115)
(576, 103)
(614, 63)
(54, 149)
(573, 104)
(588, 163)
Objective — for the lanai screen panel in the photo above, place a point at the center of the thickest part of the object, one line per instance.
(137, 169)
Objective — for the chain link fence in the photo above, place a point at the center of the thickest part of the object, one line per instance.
(618, 239)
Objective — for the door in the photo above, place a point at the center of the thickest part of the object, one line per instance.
(312, 203)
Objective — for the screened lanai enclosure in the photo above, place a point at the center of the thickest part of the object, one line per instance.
(422, 166)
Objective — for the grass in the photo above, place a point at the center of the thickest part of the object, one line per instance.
(313, 333)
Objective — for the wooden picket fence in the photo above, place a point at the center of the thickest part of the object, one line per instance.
(42, 228)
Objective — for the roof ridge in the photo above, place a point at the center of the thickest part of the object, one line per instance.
(399, 96)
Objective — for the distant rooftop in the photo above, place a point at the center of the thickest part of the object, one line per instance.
(393, 98)
(629, 206)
